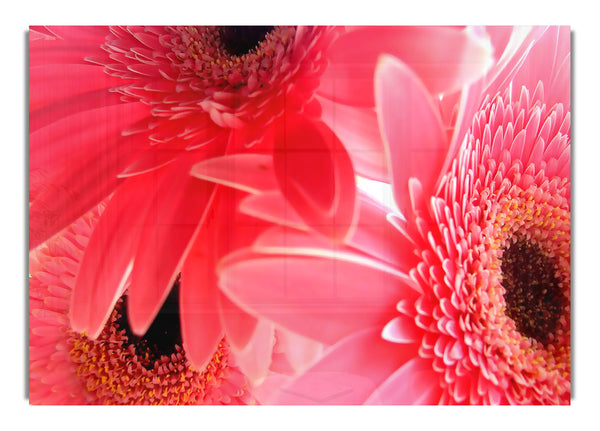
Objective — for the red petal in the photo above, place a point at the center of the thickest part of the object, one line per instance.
(70, 44)
(315, 174)
(412, 129)
(108, 256)
(73, 165)
(272, 207)
(179, 203)
(251, 173)
(53, 83)
(201, 328)
(201, 302)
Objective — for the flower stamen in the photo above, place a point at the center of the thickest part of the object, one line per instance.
(533, 295)
(240, 40)
(121, 368)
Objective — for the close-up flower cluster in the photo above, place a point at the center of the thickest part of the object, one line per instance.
(299, 215)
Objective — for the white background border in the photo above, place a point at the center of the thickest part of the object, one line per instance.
(586, 146)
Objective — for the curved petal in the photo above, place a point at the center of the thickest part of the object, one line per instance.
(266, 392)
(323, 295)
(251, 173)
(201, 328)
(544, 59)
(299, 351)
(108, 258)
(349, 372)
(179, 203)
(444, 58)
(515, 68)
(239, 325)
(358, 129)
(272, 207)
(414, 383)
(315, 174)
(65, 44)
(52, 83)
(68, 106)
(372, 233)
(375, 235)
(206, 314)
(560, 91)
(57, 91)
(255, 359)
(402, 330)
(413, 134)
(73, 164)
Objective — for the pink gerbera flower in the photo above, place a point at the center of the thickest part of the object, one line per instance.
(117, 367)
(465, 299)
(128, 112)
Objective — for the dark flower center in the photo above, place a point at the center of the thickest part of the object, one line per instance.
(240, 40)
(533, 293)
(163, 335)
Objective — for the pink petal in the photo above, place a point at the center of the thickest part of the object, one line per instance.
(178, 206)
(71, 44)
(201, 328)
(561, 86)
(71, 33)
(207, 314)
(150, 159)
(73, 165)
(499, 38)
(239, 325)
(66, 107)
(414, 383)
(255, 359)
(375, 235)
(301, 352)
(324, 297)
(445, 59)
(412, 129)
(281, 239)
(544, 60)
(315, 174)
(358, 129)
(252, 173)
(349, 372)
(49, 84)
(60, 90)
(272, 207)
(498, 78)
(267, 391)
(402, 329)
(108, 257)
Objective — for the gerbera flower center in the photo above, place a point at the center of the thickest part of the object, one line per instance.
(121, 368)
(533, 295)
(240, 40)
(163, 336)
(496, 259)
(207, 80)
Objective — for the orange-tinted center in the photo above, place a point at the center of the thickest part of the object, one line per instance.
(121, 368)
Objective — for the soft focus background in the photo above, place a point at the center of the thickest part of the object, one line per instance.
(586, 154)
